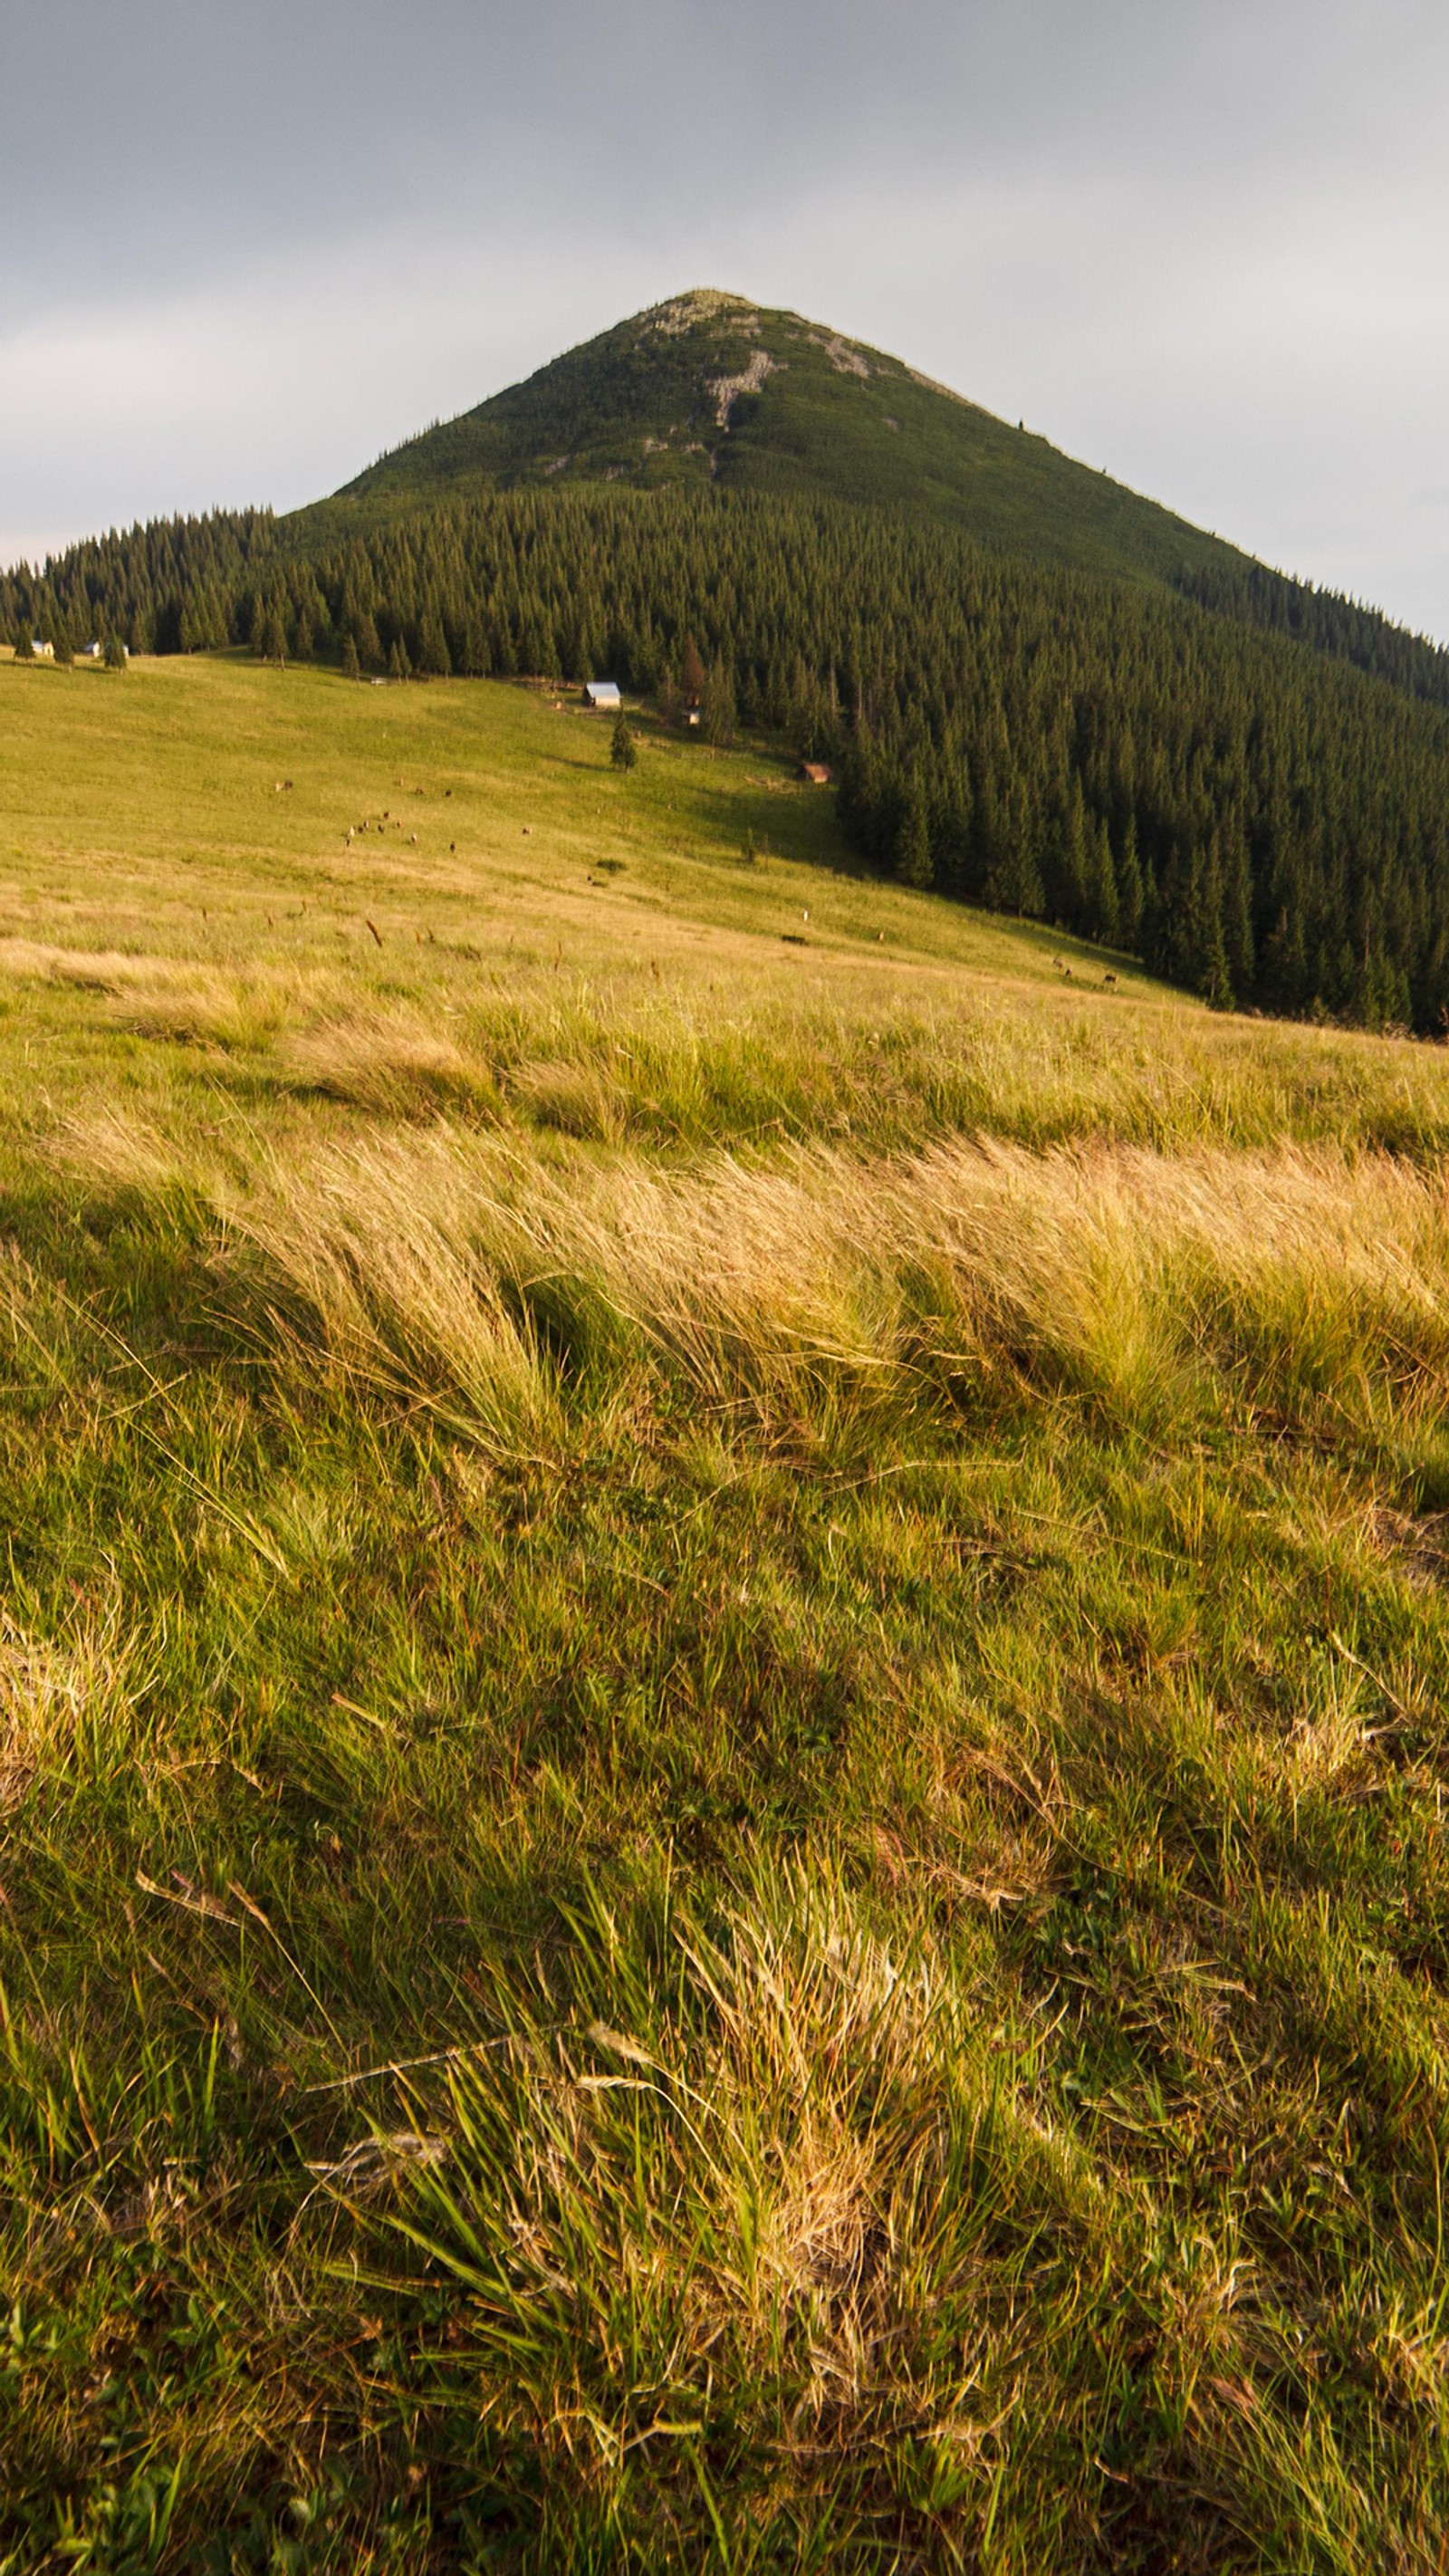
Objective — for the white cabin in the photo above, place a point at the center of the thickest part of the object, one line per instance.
(42, 652)
(604, 695)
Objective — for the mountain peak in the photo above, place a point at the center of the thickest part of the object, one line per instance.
(710, 388)
(701, 304)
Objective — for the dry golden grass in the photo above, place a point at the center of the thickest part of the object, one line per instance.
(817, 1284)
(792, 2112)
(391, 1063)
(58, 1699)
(785, 2176)
(167, 998)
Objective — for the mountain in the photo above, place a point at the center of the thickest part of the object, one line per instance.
(712, 390)
(1041, 693)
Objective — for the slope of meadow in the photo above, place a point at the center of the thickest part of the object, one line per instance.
(721, 1688)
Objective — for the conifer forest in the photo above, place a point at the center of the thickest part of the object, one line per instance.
(1241, 781)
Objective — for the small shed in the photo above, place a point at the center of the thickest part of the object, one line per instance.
(603, 695)
(816, 773)
(91, 652)
(42, 652)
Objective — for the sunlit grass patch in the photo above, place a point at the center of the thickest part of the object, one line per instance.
(1178, 1293)
(389, 1062)
(54, 1697)
(164, 997)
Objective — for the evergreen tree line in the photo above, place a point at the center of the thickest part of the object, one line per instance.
(1325, 620)
(170, 587)
(1262, 822)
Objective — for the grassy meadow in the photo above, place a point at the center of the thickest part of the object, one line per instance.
(722, 1687)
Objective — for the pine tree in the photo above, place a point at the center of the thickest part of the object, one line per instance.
(1129, 888)
(717, 712)
(351, 666)
(1100, 918)
(913, 840)
(271, 636)
(433, 655)
(623, 750)
(1237, 907)
(471, 657)
(1018, 881)
(1066, 878)
(1208, 944)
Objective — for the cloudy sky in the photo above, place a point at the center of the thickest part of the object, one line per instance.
(1202, 243)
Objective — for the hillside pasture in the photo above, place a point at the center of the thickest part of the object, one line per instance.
(722, 1685)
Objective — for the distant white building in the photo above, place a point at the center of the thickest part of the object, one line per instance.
(604, 695)
(92, 652)
(42, 652)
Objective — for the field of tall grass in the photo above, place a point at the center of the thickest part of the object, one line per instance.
(722, 1688)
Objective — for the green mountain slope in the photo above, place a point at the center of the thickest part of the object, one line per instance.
(710, 389)
(1041, 693)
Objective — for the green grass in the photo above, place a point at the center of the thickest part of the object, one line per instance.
(722, 1687)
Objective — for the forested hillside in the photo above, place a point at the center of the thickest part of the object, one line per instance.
(1253, 818)
(1042, 693)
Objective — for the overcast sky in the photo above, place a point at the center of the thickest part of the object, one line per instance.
(1202, 243)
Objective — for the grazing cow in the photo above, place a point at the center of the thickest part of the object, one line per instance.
(1109, 979)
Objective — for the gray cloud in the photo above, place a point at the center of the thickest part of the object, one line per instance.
(1203, 247)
